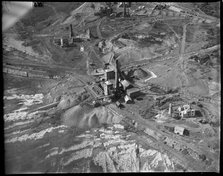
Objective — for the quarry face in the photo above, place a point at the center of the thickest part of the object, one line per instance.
(96, 87)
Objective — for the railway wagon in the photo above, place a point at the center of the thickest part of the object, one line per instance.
(16, 72)
(33, 75)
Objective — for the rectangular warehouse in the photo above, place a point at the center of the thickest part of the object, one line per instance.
(133, 92)
(109, 74)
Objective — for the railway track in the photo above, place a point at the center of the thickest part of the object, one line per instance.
(195, 14)
(188, 161)
(150, 141)
(160, 59)
(44, 66)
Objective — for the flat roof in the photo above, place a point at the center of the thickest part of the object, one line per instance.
(132, 90)
(109, 69)
(108, 82)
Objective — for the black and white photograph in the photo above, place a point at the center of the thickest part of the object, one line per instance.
(111, 87)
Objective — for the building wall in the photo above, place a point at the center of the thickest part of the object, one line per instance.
(105, 89)
(133, 94)
(109, 75)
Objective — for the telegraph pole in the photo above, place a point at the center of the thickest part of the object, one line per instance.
(137, 156)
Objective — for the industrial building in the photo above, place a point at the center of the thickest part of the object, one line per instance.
(125, 84)
(186, 111)
(70, 40)
(181, 131)
(109, 74)
(133, 92)
(127, 99)
(108, 86)
(114, 84)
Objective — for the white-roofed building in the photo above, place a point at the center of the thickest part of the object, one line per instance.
(127, 99)
(179, 130)
(125, 84)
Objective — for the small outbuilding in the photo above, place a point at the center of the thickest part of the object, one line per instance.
(127, 99)
(179, 130)
(125, 84)
(133, 92)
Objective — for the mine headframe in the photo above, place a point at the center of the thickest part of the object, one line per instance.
(160, 7)
(118, 75)
(104, 11)
(126, 6)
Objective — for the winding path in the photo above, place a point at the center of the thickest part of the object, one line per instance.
(98, 28)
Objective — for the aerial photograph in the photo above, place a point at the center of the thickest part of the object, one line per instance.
(103, 87)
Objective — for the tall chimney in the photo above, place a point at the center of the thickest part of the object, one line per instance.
(61, 42)
(71, 31)
(116, 75)
(170, 109)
